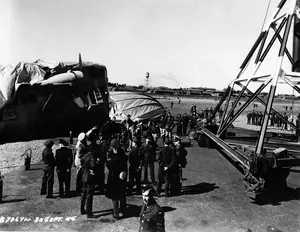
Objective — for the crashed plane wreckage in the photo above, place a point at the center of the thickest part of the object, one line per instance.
(49, 99)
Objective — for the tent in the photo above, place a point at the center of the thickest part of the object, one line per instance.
(139, 105)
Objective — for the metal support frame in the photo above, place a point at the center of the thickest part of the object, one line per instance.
(257, 54)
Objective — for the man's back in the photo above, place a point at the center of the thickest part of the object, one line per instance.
(64, 158)
(48, 157)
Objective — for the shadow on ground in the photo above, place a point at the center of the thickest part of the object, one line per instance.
(276, 198)
(167, 209)
(12, 200)
(198, 188)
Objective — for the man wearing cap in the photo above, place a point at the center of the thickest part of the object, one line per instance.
(148, 153)
(116, 180)
(151, 216)
(181, 161)
(185, 123)
(167, 166)
(181, 153)
(162, 127)
(64, 161)
(48, 178)
(169, 125)
(88, 162)
(135, 165)
(81, 150)
(100, 148)
(127, 122)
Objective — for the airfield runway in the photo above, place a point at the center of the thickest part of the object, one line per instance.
(213, 200)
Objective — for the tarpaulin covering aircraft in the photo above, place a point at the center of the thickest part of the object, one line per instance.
(49, 99)
(139, 105)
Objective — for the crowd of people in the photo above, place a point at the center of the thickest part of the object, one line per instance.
(256, 118)
(128, 150)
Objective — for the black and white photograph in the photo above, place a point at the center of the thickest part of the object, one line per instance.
(150, 115)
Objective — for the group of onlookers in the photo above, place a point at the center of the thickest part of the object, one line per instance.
(281, 122)
(128, 150)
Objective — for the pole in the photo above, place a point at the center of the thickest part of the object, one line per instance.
(296, 42)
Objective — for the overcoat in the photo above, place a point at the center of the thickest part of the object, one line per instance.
(116, 163)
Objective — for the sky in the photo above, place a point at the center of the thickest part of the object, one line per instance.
(181, 43)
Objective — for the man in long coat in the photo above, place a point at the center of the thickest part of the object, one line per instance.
(64, 161)
(135, 166)
(116, 180)
(148, 153)
(88, 163)
(167, 167)
(48, 178)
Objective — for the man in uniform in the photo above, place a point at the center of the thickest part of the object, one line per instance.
(148, 153)
(169, 125)
(116, 180)
(181, 161)
(81, 150)
(151, 216)
(185, 123)
(48, 178)
(167, 166)
(101, 160)
(135, 166)
(88, 162)
(64, 161)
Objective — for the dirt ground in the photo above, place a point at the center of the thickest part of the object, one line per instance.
(213, 197)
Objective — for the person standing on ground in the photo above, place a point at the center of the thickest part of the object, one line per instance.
(162, 128)
(181, 154)
(48, 178)
(185, 123)
(152, 216)
(148, 154)
(64, 161)
(179, 124)
(166, 168)
(135, 166)
(81, 150)
(116, 180)
(88, 162)
(101, 161)
(169, 125)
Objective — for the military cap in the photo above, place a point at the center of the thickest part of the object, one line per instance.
(81, 136)
(149, 137)
(148, 187)
(115, 143)
(145, 134)
(48, 143)
(177, 138)
(168, 141)
(63, 142)
(136, 140)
